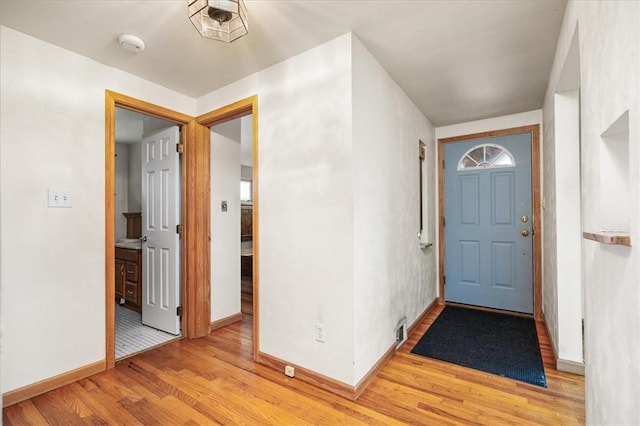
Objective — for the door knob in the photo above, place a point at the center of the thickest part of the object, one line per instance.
(524, 232)
(524, 218)
(143, 239)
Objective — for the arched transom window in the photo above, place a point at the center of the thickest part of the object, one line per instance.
(486, 156)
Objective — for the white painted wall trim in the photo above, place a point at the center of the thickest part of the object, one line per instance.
(569, 366)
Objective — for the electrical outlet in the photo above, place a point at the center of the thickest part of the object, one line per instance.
(320, 332)
(59, 198)
(289, 371)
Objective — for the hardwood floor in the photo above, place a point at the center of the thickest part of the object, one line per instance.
(246, 296)
(213, 380)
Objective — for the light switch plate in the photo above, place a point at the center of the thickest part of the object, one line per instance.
(60, 198)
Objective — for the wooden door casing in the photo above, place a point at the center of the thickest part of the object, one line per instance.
(488, 261)
(534, 130)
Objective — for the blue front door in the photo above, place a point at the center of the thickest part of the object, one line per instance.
(488, 223)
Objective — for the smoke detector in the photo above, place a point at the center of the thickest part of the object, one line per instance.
(131, 43)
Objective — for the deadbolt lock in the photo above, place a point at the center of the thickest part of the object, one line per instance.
(524, 218)
(524, 232)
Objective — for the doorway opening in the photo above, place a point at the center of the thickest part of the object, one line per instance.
(504, 217)
(142, 319)
(195, 254)
(233, 199)
(193, 314)
(231, 220)
(246, 215)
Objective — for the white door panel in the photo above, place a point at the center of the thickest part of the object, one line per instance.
(160, 216)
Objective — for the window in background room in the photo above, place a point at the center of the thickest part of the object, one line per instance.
(245, 191)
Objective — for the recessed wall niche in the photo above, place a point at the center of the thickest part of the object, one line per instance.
(615, 202)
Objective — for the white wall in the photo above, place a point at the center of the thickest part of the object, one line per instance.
(393, 277)
(52, 260)
(609, 38)
(504, 122)
(562, 222)
(122, 189)
(135, 177)
(152, 125)
(567, 326)
(246, 141)
(246, 147)
(225, 226)
(331, 152)
(305, 189)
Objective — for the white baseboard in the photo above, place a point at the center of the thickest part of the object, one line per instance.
(570, 366)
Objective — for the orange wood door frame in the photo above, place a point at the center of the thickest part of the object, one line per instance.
(195, 217)
(230, 112)
(537, 213)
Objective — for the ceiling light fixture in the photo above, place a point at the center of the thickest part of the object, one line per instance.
(131, 43)
(223, 20)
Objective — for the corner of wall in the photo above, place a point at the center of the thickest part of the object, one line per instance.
(393, 277)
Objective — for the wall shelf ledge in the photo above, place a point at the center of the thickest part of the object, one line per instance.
(614, 238)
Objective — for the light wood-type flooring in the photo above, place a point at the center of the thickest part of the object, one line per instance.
(246, 296)
(214, 380)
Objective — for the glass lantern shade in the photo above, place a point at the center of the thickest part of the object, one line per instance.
(223, 20)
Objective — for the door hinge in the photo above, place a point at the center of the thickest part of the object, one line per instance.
(179, 229)
(444, 222)
(179, 311)
(180, 148)
(444, 280)
(443, 164)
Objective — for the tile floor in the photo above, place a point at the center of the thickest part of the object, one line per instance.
(132, 336)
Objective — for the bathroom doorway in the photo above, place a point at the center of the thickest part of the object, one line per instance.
(147, 209)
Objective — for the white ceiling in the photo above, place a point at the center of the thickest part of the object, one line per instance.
(457, 60)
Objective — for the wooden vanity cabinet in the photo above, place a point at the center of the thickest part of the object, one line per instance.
(246, 234)
(128, 283)
(134, 224)
(120, 278)
(246, 222)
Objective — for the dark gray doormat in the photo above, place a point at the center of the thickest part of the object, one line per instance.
(496, 343)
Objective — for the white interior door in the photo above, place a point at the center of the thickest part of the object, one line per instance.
(160, 216)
